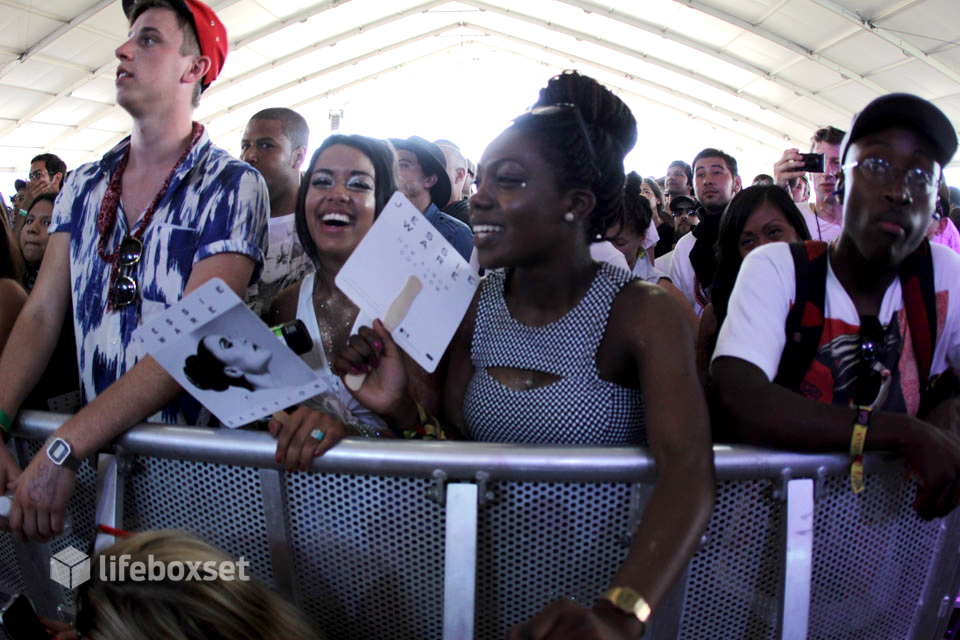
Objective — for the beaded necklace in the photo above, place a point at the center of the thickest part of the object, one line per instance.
(107, 217)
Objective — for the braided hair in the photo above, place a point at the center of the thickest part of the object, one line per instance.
(612, 132)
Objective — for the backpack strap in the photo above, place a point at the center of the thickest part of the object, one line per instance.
(920, 303)
(805, 320)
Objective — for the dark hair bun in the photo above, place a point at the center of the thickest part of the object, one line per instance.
(598, 106)
(633, 184)
(613, 132)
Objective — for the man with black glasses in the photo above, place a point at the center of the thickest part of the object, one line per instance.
(684, 211)
(47, 172)
(854, 345)
(160, 214)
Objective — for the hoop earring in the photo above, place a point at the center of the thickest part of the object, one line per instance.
(569, 217)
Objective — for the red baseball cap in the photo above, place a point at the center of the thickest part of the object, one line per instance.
(210, 32)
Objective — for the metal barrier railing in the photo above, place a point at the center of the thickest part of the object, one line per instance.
(459, 540)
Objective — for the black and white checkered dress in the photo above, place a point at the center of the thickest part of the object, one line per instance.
(580, 408)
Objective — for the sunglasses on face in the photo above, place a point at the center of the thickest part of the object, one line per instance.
(123, 290)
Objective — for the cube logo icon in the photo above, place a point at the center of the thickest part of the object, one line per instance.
(70, 568)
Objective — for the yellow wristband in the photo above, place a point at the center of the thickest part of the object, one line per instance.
(856, 475)
(857, 439)
(860, 425)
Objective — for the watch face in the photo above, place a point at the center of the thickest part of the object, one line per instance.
(58, 451)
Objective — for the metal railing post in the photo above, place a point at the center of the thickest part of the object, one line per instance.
(460, 561)
(110, 488)
(798, 560)
(278, 534)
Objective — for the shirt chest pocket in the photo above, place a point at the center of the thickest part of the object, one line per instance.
(166, 263)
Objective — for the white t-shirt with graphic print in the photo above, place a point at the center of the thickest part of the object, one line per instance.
(766, 286)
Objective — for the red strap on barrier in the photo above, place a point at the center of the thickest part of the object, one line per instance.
(111, 531)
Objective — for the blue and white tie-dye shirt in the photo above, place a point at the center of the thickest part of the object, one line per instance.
(214, 204)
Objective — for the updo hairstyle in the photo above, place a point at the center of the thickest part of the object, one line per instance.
(612, 131)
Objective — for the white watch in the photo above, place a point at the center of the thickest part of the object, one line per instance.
(61, 453)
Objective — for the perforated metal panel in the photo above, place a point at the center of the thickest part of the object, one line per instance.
(540, 541)
(220, 503)
(11, 578)
(368, 551)
(369, 555)
(78, 518)
(871, 559)
(734, 589)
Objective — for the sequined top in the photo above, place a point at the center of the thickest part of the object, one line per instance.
(580, 408)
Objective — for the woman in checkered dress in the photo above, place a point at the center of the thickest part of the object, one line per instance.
(556, 348)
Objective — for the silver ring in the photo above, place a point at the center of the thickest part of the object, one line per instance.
(317, 435)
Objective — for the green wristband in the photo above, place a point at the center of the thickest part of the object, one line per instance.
(5, 422)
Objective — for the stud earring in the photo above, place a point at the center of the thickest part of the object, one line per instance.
(568, 216)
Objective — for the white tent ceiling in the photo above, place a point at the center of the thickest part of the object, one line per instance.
(756, 76)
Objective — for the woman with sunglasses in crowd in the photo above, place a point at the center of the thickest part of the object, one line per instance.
(555, 347)
(348, 182)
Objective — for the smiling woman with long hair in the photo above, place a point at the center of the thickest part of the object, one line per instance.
(348, 182)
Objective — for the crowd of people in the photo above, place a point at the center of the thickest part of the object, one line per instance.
(824, 325)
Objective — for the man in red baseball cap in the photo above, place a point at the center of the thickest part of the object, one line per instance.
(157, 216)
(203, 33)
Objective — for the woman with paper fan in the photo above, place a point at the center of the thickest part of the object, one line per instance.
(348, 182)
(557, 348)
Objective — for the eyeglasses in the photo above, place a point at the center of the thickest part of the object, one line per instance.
(36, 175)
(881, 173)
(679, 213)
(123, 291)
(568, 107)
(869, 376)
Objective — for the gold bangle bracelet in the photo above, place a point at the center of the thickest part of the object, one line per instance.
(629, 601)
